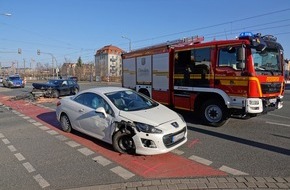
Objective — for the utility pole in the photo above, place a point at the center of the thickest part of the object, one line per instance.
(24, 65)
(129, 42)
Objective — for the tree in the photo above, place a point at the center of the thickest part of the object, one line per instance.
(80, 62)
(79, 68)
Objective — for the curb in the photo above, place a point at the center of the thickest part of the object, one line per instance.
(199, 183)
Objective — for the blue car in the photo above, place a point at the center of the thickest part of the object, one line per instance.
(13, 81)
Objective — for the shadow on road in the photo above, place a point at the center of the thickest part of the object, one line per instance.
(242, 141)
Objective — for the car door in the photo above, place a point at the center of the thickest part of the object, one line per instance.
(94, 123)
(63, 87)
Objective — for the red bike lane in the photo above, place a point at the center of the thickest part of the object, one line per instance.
(167, 165)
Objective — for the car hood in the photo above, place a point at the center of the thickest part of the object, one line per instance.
(17, 81)
(154, 116)
(43, 85)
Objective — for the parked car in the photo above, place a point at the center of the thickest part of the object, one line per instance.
(13, 81)
(56, 87)
(130, 121)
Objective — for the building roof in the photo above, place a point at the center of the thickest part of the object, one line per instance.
(110, 49)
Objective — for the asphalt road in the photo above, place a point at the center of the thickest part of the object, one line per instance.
(258, 146)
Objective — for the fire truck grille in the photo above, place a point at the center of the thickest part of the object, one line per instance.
(268, 88)
(169, 141)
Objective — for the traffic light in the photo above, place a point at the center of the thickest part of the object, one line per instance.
(38, 52)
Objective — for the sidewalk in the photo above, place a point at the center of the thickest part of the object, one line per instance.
(245, 182)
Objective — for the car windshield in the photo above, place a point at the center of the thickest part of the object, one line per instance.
(129, 100)
(14, 78)
(55, 82)
(267, 61)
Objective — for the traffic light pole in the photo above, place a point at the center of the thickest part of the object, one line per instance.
(52, 58)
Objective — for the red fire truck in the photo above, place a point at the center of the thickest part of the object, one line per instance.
(242, 77)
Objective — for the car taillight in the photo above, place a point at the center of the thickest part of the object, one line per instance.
(58, 103)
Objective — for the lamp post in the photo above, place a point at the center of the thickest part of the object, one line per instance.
(129, 42)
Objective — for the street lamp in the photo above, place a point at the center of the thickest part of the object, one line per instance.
(129, 42)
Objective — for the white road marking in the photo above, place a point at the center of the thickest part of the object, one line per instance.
(37, 124)
(72, 144)
(200, 160)
(125, 174)
(101, 160)
(1, 135)
(86, 151)
(19, 156)
(52, 132)
(278, 116)
(16, 112)
(178, 152)
(232, 171)
(61, 137)
(6, 141)
(31, 120)
(281, 124)
(43, 128)
(25, 117)
(41, 181)
(11, 148)
(28, 167)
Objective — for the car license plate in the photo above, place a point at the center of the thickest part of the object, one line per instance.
(177, 137)
(272, 100)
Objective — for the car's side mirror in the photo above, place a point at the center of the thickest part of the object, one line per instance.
(101, 110)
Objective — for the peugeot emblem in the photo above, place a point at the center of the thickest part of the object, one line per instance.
(175, 124)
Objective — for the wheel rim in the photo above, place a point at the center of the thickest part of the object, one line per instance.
(213, 113)
(126, 143)
(65, 123)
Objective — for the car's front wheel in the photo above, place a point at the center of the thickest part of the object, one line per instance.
(55, 94)
(65, 123)
(75, 91)
(123, 143)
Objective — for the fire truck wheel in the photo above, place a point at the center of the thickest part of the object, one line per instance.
(213, 113)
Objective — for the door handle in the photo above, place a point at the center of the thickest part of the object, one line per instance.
(81, 110)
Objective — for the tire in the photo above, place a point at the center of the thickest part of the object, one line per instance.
(123, 143)
(75, 91)
(55, 94)
(213, 113)
(65, 123)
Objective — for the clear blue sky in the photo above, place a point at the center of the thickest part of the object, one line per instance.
(71, 28)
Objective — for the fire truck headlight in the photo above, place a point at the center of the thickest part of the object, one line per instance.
(254, 102)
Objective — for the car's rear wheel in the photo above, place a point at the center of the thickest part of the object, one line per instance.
(123, 143)
(65, 123)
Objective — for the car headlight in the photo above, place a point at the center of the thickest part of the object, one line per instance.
(147, 128)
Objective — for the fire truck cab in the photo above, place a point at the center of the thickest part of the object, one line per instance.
(241, 77)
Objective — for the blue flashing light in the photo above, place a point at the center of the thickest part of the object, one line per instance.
(246, 34)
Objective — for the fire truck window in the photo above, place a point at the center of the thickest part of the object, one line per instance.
(228, 57)
(192, 67)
